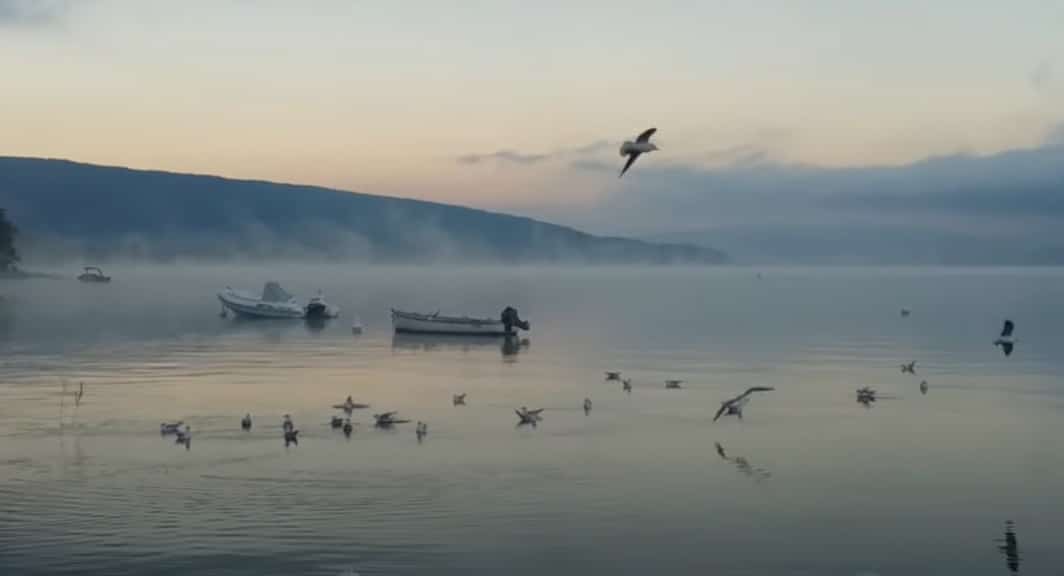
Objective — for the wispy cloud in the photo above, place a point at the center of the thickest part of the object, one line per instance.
(508, 156)
(32, 13)
(511, 156)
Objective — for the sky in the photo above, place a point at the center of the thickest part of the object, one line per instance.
(521, 106)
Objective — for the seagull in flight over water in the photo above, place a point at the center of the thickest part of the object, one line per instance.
(1005, 340)
(632, 150)
(735, 405)
(909, 368)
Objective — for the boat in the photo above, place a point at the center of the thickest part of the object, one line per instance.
(318, 309)
(414, 323)
(93, 274)
(274, 303)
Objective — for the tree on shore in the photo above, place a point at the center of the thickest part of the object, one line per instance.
(8, 254)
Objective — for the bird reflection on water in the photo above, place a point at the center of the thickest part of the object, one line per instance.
(1010, 548)
(755, 473)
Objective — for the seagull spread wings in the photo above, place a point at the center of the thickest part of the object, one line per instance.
(729, 403)
(645, 136)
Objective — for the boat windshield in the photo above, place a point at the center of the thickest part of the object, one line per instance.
(272, 292)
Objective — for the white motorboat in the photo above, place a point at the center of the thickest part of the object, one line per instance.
(274, 303)
(411, 322)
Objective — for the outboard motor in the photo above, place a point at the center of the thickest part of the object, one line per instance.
(510, 319)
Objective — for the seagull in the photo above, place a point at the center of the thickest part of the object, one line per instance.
(587, 405)
(79, 394)
(347, 427)
(287, 425)
(673, 384)
(905, 312)
(184, 437)
(1005, 340)
(245, 422)
(866, 396)
(458, 399)
(923, 386)
(909, 368)
(633, 149)
(387, 419)
(613, 375)
(421, 430)
(529, 416)
(735, 405)
(170, 428)
(291, 437)
(626, 385)
(336, 422)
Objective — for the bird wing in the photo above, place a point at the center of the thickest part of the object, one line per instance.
(753, 389)
(1006, 330)
(720, 450)
(645, 136)
(628, 164)
(723, 408)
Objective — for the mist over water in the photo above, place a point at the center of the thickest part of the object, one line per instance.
(809, 482)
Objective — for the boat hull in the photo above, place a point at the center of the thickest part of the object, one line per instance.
(255, 308)
(411, 323)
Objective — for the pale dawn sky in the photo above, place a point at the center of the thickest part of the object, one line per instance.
(418, 98)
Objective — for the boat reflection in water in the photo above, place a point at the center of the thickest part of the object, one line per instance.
(1010, 548)
(509, 346)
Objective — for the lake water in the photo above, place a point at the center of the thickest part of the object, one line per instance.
(810, 481)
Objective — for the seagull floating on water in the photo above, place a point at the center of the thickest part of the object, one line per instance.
(626, 385)
(336, 422)
(1005, 339)
(923, 386)
(387, 419)
(909, 368)
(735, 405)
(184, 437)
(587, 405)
(348, 428)
(613, 375)
(632, 150)
(673, 384)
(291, 437)
(421, 430)
(245, 422)
(527, 416)
(458, 399)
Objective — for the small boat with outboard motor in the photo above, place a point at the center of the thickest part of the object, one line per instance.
(414, 323)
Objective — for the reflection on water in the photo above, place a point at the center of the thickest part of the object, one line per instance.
(509, 346)
(1009, 547)
(743, 465)
(91, 488)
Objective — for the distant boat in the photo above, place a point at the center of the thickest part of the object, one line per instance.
(412, 322)
(93, 274)
(274, 303)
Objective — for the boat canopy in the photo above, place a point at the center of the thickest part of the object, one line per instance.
(272, 292)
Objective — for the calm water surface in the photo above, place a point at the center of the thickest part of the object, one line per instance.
(810, 481)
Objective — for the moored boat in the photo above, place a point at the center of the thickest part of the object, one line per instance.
(412, 322)
(93, 274)
(274, 303)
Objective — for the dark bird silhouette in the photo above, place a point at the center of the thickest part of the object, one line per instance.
(923, 386)
(587, 406)
(735, 405)
(909, 368)
(673, 384)
(79, 394)
(905, 312)
(1005, 340)
(626, 385)
(1010, 547)
(458, 399)
(633, 150)
(610, 375)
(336, 422)
(245, 422)
(348, 427)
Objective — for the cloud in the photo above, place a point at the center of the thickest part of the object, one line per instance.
(511, 156)
(508, 156)
(32, 13)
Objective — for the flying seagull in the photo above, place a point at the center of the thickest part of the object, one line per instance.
(611, 375)
(458, 399)
(909, 368)
(626, 385)
(905, 312)
(735, 405)
(673, 384)
(1005, 340)
(633, 149)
